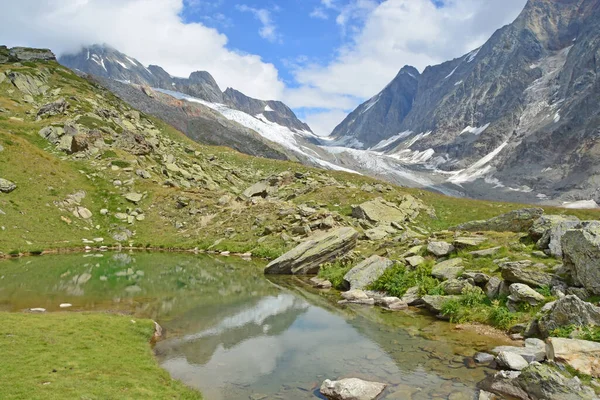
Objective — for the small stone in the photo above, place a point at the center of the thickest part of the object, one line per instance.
(37, 310)
(483, 358)
(134, 197)
(66, 305)
(415, 261)
(440, 249)
(7, 186)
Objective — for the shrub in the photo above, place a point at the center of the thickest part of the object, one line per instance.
(397, 280)
(334, 272)
(500, 316)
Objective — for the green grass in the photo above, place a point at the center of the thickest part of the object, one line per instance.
(397, 280)
(591, 333)
(334, 273)
(81, 356)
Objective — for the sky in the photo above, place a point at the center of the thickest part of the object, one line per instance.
(321, 57)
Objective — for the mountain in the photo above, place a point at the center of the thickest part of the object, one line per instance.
(106, 62)
(515, 119)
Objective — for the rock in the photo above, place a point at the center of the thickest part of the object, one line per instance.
(31, 54)
(512, 361)
(411, 297)
(376, 233)
(32, 85)
(413, 251)
(552, 228)
(435, 303)
(542, 381)
(37, 310)
(479, 278)
(143, 174)
(354, 295)
(381, 211)
(468, 241)
(582, 293)
(533, 351)
(415, 261)
(134, 197)
(449, 269)
(440, 249)
(307, 257)
(134, 143)
(367, 272)
(486, 253)
(59, 106)
(351, 389)
(7, 186)
(259, 189)
(483, 358)
(521, 293)
(582, 355)
(455, 286)
(570, 310)
(581, 252)
(520, 272)
(320, 283)
(492, 288)
(397, 306)
(504, 383)
(83, 213)
(514, 221)
(483, 395)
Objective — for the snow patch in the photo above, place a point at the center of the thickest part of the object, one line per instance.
(471, 56)
(417, 138)
(133, 62)
(371, 103)
(122, 64)
(99, 60)
(580, 204)
(556, 117)
(267, 108)
(474, 130)
(388, 141)
(477, 170)
(451, 73)
(458, 83)
(413, 157)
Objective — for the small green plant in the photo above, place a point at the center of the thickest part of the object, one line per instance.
(500, 316)
(334, 272)
(544, 291)
(109, 154)
(120, 163)
(472, 296)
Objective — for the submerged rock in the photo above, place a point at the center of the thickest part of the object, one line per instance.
(307, 257)
(351, 389)
(514, 221)
(367, 272)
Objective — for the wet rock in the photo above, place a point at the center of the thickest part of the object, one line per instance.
(367, 272)
(510, 360)
(7, 186)
(440, 249)
(449, 269)
(581, 252)
(351, 389)
(581, 355)
(570, 310)
(320, 283)
(522, 272)
(307, 257)
(521, 293)
(514, 221)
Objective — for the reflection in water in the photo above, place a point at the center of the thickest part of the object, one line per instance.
(233, 334)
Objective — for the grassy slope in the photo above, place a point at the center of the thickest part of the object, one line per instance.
(81, 356)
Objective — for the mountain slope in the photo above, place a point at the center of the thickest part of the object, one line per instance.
(513, 118)
(106, 62)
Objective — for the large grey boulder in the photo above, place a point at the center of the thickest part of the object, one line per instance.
(492, 288)
(581, 254)
(434, 303)
(523, 272)
(440, 249)
(56, 107)
(537, 382)
(7, 186)
(449, 269)
(308, 256)
(455, 286)
(351, 389)
(582, 355)
(534, 350)
(512, 361)
(259, 189)
(549, 230)
(514, 221)
(569, 310)
(521, 293)
(366, 272)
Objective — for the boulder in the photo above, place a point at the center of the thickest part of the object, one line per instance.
(582, 355)
(581, 255)
(512, 361)
(483, 358)
(522, 272)
(479, 278)
(549, 230)
(380, 211)
(504, 383)
(308, 256)
(521, 293)
(351, 389)
(534, 350)
(56, 107)
(492, 288)
(435, 303)
(455, 286)
(7, 186)
(412, 297)
(32, 85)
(366, 272)
(415, 261)
(440, 249)
(376, 233)
(449, 269)
(259, 189)
(355, 295)
(569, 310)
(513, 221)
(134, 197)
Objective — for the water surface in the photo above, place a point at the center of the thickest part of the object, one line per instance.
(234, 334)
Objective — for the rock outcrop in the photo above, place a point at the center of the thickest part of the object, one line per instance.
(567, 311)
(581, 254)
(514, 221)
(307, 257)
(581, 355)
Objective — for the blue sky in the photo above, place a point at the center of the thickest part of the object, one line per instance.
(320, 57)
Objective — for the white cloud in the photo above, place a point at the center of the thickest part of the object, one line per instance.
(150, 30)
(319, 13)
(268, 29)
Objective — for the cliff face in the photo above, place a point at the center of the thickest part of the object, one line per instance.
(520, 112)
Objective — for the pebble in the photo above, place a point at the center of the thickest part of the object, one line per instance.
(66, 305)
